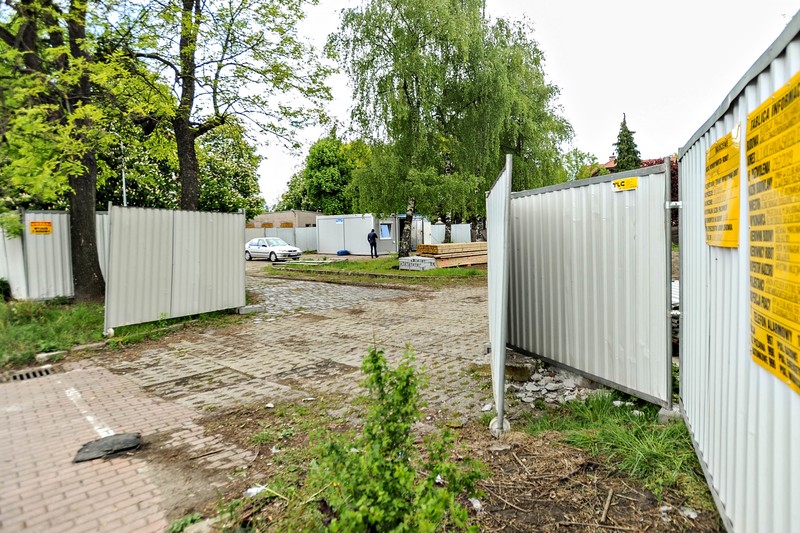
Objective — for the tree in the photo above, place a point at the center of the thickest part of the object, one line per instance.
(48, 118)
(324, 184)
(579, 165)
(228, 169)
(226, 58)
(393, 52)
(229, 173)
(444, 95)
(628, 157)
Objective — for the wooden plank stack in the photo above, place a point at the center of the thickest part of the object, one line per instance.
(455, 254)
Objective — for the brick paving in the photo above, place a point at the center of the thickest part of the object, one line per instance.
(307, 344)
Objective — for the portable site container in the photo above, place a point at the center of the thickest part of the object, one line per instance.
(349, 232)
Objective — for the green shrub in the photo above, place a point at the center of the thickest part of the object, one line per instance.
(5, 289)
(379, 481)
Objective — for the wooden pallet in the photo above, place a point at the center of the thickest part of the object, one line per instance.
(444, 262)
(430, 250)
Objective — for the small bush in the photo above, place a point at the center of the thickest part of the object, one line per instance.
(379, 481)
(5, 289)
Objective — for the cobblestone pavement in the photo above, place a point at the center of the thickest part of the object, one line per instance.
(310, 342)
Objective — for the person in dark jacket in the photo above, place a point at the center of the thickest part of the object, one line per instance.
(372, 239)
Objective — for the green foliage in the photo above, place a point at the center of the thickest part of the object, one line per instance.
(379, 481)
(5, 289)
(182, 523)
(27, 328)
(323, 183)
(579, 165)
(628, 157)
(242, 60)
(229, 172)
(443, 94)
(661, 456)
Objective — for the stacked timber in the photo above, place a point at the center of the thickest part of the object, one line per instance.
(455, 254)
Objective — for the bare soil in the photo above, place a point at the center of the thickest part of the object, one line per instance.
(535, 483)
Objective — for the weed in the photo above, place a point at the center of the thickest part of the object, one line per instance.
(27, 328)
(5, 290)
(661, 456)
(372, 482)
(182, 523)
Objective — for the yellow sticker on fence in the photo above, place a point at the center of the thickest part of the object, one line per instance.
(41, 228)
(625, 184)
(773, 186)
(721, 195)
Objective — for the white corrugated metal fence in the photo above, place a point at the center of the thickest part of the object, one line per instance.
(497, 222)
(744, 418)
(589, 279)
(165, 264)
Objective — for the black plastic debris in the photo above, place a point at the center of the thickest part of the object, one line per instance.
(108, 446)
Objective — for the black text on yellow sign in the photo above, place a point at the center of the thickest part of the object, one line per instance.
(41, 228)
(773, 196)
(721, 195)
(625, 184)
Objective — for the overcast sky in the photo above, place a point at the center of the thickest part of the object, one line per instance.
(666, 65)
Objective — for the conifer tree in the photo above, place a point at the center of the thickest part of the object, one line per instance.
(628, 157)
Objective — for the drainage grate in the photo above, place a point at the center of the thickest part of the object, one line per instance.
(29, 373)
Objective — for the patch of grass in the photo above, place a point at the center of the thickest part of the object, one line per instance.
(383, 269)
(28, 328)
(160, 328)
(631, 439)
(182, 523)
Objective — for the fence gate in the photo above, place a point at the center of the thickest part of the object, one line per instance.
(589, 279)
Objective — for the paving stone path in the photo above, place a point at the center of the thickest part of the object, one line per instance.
(310, 342)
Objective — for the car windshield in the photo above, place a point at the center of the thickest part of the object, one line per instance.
(274, 241)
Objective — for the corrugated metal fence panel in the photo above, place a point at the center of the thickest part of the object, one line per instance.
(165, 264)
(139, 272)
(744, 421)
(252, 233)
(208, 265)
(306, 238)
(589, 283)
(497, 226)
(458, 233)
(12, 265)
(48, 261)
(101, 224)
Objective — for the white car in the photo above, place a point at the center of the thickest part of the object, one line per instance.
(271, 248)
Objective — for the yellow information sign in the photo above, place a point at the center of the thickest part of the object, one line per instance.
(41, 228)
(773, 186)
(625, 184)
(721, 196)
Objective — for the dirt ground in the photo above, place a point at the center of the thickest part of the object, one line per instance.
(535, 483)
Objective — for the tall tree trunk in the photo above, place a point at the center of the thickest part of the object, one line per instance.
(87, 277)
(187, 164)
(405, 239)
(185, 133)
(448, 228)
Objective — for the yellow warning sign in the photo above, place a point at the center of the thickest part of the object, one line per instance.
(721, 195)
(41, 228)
(773, 186)
(625, 184)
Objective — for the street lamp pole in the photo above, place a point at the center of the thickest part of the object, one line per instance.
(124, 190)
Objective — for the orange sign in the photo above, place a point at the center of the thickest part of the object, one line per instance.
(41, 228)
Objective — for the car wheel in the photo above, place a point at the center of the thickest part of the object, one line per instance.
(273, 257)
(247, 256)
